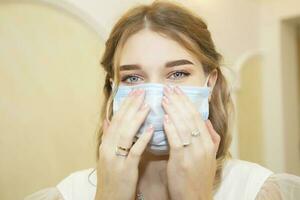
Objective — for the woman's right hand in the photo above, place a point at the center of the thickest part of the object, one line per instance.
(117, 176)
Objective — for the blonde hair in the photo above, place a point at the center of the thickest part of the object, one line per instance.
(190, 31)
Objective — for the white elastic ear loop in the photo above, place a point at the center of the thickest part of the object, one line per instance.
(206, 81)
(112, 84)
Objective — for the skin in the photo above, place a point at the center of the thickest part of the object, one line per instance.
(187, 172)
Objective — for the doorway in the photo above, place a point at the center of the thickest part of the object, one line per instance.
(290, 65)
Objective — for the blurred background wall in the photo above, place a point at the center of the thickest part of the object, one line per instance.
(50, 95)
(51, 80)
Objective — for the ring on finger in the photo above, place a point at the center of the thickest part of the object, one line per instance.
(186, 144)
(195, 133)
(121, 151)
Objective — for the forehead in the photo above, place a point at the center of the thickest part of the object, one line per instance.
(149, 48)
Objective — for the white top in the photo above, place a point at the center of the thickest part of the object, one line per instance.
(241, 180)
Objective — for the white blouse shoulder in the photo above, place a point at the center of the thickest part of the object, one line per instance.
(80, 184)
(50, 193)
(241, 180)
(280, 186)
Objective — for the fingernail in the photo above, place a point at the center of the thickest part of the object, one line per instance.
(145, 106)
(167, 89)
(166, 100)
(178, 90)
(136, 92)
(132, 92)
(140, 91)
(150, 128)
(166, 118)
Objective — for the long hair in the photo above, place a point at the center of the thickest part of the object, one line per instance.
(190, 31)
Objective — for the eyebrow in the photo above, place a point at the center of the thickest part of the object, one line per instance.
(167, 65)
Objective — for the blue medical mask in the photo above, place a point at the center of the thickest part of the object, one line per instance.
(158, 144)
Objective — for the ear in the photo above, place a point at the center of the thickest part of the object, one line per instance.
(213, 79)
(111, 81)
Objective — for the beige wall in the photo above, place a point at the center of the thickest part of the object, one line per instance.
(298, 53)
(249, 111)
(233, 23)
(50, 82)
(279, 116)
(49, 105)
(290, 78)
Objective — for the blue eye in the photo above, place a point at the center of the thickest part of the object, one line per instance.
(179, 74)
(132, 78)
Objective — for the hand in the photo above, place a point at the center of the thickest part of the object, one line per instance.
(191, 169)
(117, 175)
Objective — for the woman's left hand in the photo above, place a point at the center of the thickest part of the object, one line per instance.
(190, 169)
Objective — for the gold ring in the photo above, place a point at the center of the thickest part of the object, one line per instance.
(121, 151)
(195, 133)
(186, 144)
(124, 149)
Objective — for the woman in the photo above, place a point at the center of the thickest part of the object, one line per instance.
(166, 116)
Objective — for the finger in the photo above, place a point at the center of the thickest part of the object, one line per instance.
(125, 104)
(195, 115)
(134, 105)
(140, 145)
(131, 128)
(189, 105)
(105, 126)
(195, 120)
(127, 111)
(214, 135)
(177, 116)
(172, 135)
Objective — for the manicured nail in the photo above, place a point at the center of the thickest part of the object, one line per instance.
(131, 92)
(177, 90)
(140, 92)
(136, 92)
(166, 118)
(166, 100)
(150, 128)
(145, 106)
(170, 89)
(167, 89)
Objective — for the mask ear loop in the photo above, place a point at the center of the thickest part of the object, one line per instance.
(206, 81)
(206, 85)
(112, 84)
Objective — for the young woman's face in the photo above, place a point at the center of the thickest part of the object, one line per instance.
(148, 57)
